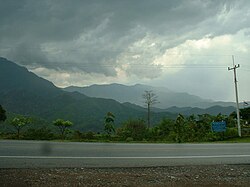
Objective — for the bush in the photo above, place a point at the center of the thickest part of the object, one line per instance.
(217, 136)
(135, 129)
(77, 135)
(211, 136)
(88, 135)
(43, 133)
(231, 133)
(129, 139)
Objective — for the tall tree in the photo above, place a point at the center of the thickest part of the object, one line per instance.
(109, 123)
(2, 114)
(179, 128)
(150, 99)
(62, 125)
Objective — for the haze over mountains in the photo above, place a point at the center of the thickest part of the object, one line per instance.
(23, 92)
(133, 94)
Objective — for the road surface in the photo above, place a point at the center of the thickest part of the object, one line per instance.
(42, 154)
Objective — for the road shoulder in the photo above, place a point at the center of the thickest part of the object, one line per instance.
(210, 175)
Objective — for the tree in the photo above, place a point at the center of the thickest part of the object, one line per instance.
(19, 122)
(109, 123)
(179, 128)
(244, 115)
(150, 99)
(2, 114)
(134, 128)
(62, 125)
(165, 127)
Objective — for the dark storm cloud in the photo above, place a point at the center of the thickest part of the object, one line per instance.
(91, 35)
(46, 20)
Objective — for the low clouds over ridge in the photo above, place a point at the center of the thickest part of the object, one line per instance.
(86, 42)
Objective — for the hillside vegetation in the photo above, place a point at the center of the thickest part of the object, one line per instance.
(24, 95)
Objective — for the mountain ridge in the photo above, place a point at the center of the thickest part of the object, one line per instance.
(23, 92)
(133, 94)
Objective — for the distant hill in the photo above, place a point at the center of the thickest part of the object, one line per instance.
(187, 111)
(25, 93)
(214, 110)
(133, 94)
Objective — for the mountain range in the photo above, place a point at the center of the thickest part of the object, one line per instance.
(133, 94)
(23, 92)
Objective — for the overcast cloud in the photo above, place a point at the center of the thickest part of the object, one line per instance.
(184, 45)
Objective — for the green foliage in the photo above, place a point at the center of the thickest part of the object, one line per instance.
(219, 136)
(77, 135)
(129, 139)
(89, 135)
(109, 123)
(134, 128)
(198, 127)
(245, 114)
(231, 133)
(43, 133)
(2, 114)
(162, 131)
(179, 128)
(18, 123)
(192, 128)
(63, 126)
(220, 117)
(165, 127)
(182, 129)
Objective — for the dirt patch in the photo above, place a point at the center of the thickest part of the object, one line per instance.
(213, 175)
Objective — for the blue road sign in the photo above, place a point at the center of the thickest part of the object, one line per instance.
(219, 126)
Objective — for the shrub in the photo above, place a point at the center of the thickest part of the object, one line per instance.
(135, 129)
(88, 135)
(231, 133)
(43, 133)
(129, 139)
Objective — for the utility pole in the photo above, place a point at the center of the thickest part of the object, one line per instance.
(236, 93)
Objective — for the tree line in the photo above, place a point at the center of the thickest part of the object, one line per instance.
(194, 128)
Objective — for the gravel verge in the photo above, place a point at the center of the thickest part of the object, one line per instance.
(212, 175)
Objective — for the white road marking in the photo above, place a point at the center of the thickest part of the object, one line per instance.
(122, 157)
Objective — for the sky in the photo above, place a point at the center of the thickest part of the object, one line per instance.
(184, 45)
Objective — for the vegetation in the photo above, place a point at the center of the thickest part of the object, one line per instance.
(18, 123)
(43, 133)
(2, 114)
(63, 126)
(193, 128)
(244, 114)
(133, 130)
(109, 123)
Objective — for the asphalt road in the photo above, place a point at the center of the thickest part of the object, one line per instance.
(30, 154)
